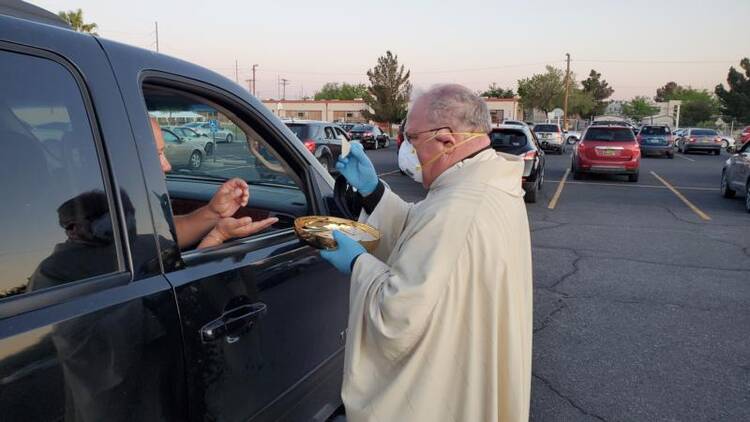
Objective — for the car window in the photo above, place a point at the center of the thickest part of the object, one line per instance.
(507, 139)
(169, 136)
(329, 132)
(199, 165)
(655, 130)
(614, 134)
(703, 132)
(55, 217)
(340, 134)
(302, 131)
(546, 128)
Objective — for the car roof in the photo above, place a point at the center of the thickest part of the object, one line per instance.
(22, 10)
(523, 128)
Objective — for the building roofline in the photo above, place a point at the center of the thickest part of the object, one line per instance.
(271, 100)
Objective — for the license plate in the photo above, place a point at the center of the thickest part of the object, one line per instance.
(608, 152)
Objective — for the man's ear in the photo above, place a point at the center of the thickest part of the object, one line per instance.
(447, 139)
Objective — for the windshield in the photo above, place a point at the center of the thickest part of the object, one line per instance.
(613, 134)
(546, 128)
(362, 128)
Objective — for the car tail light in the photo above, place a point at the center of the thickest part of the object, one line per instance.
(530, 155)
(717, 140)
(367, 135)
(691, 140)
(310, 145)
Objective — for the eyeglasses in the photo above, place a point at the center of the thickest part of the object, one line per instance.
(413, 136)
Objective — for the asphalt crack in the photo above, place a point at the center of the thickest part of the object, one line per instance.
(549, 318)
(570, 401)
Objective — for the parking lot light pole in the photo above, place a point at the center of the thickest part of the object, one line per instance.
(567, 91)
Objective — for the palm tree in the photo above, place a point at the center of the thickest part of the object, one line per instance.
(74, 18)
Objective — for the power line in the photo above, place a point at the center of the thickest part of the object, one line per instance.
(659, 61)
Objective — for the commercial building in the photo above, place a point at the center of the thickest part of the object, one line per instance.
(326, 110)
(504, 109)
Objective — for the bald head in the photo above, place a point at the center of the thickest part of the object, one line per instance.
(455, 106)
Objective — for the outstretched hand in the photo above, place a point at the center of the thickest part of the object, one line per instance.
(358, 170)
(232, 195)
(230, 228)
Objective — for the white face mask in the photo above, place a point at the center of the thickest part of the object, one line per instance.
(408, 160)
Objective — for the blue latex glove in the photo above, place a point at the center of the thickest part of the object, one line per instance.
(358, 170)
(347, 251)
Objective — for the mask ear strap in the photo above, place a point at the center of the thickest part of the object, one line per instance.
(453, 148)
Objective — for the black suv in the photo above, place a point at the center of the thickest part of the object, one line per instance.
(520, 140)
(370, 136)
(321, 138)
(102, 316)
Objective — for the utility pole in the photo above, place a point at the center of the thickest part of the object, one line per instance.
(284, 83)
(278, 87)
(254, 66)
(567, 92)
(236, 72)
(156, 25)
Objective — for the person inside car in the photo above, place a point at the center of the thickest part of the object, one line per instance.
(212, 224)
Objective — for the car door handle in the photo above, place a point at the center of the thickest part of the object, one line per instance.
(232, 322)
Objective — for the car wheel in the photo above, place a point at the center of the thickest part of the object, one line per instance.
(670, 155)
(726, 191)
(195, 160)
(229, 138)
(725, 144)
(633, 178)
(571, 140)
(325, 162)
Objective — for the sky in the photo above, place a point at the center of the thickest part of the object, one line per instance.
(637, 45)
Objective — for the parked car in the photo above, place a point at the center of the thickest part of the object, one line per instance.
(370, 136)
(607, 150)
(185, 132)
(698, 139)
(347, 126)
(182, 152)
(656, 139)
(320, 138)
(550, 136)
(520, 140)
(514, 122)
(102, 315)
(204, 128)
(735, 176)
(745, 135)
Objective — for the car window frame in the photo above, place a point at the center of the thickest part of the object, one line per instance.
(123, 274)
(217, 97)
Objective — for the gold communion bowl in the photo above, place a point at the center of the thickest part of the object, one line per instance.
(317, 231)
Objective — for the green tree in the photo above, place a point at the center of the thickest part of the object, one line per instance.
(389, 90)
(343, 91)
(599, 90)
(543, 90)
(581, 102)
(74, 18)
(697, 106)
(638, 108)
(667, 92)
(735, 102)
(494, 91)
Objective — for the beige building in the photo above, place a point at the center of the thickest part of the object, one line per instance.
(504, 109)
(326, 110)
(351, 110)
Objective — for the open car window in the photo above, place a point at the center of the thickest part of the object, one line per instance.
(221, 148)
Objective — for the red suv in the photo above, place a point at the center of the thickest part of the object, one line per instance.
(744, 136)
(607, 150)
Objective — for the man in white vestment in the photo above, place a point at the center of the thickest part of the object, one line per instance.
(440, 315)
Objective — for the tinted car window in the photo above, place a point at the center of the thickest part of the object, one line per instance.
(546, 128)
(55, 215)
(615, 134)
(302, 131)
(703, 132)
(508, 140)
(655, 130)
(362, 128)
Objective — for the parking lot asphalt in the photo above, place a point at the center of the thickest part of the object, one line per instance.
(641, 293)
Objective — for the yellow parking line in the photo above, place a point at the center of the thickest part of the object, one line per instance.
(690, 205)
(684, 158)
(556, 197)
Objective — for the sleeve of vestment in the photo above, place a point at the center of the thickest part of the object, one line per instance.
(394, 304)
(389, 217)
